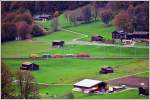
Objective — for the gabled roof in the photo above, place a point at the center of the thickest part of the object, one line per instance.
(87, 83)
(140, 32)
(26, 63)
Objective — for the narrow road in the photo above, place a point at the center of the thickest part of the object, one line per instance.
(82, 35)
(102, 44)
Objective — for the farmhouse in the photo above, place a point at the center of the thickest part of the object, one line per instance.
(58, 43)
(29, 66)
(106, 70)
(80, 19)
(121, 35)
(90, 86)
(127, 41)
(43, 17)
(97, 38)
(140, 35)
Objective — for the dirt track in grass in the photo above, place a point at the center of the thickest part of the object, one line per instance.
(132, 81)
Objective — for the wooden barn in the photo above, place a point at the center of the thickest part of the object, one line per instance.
(143, 90)
(90, 86)
(119, 35)
(29, 66)
(137, 35)
(97, 38)
(140, 35)
(58, 43)
(106, 70)
(80, 19)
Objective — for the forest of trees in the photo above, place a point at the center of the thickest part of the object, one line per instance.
(17, 22)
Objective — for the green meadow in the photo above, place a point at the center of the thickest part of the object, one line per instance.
(72, 70)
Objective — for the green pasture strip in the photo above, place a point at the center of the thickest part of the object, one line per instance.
(146, 74)
(59, 35)
(45, 24)
(100, 50)
(68, 70)
(94, 28)
(128, 94)
(25, 48)
(22, 48)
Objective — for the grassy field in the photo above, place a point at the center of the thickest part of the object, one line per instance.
(25, 48)
(72, 70)
(94, 28)
(129, 94)
(146, 75)
(97, 27)
(53, 93)
(60, 35)
(68, 71)
(22, 48)
(99, 50)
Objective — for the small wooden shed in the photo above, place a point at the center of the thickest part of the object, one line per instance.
(29, 66)
(143, 90)
(106, 70)
(97, 38)
(58, 43)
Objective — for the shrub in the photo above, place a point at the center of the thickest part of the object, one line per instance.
(23, 29)
(37, 31)
(26, 16)
(8, 17)
(106, 16)
(8, 32)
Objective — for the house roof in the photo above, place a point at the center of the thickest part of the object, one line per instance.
(87, 83)
(27, 63)
(140, 32)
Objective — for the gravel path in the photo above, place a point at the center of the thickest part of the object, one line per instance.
(132, 81)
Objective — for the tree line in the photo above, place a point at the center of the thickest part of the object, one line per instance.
(19, 25)
(128, 16)
(19, 85)
(17, 22)
(40, 7)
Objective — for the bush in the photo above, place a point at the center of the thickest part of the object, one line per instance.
(26, 16)
(106, 16)
(8, 17)
(23, 29)
(8, 32)
(37, 31)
